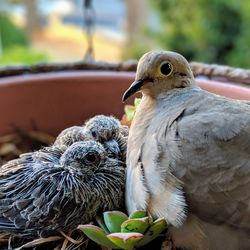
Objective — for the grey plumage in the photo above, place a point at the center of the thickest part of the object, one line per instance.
(188, 157)
(72, 134)
(105, 129)
(108, 131)
(61, 186)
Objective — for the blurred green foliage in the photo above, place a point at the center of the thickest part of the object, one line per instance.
(22, 55)
(135, 50)
(15, 44)
(214, 31)
(11, 35)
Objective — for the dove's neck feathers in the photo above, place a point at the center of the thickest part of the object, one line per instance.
(150, 106)
(142, 116)
(142, 142)
(144, 111)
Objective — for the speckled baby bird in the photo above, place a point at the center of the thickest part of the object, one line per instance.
(109, 131)
(57, 188)
(72, 134)
(105, 129)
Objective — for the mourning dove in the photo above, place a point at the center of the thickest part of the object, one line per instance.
(188, 156)
(57, 188)
(105, 129)
(72, 134)
(109, 131)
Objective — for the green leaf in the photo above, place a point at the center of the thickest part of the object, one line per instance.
(137, 101)
(101, 223)
(113, 220)
(154, 231)
(130, 112)
(135, 225)
(126, 241)
(98, 235)
(138, 214)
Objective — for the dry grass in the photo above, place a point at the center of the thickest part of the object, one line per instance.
(73, 241)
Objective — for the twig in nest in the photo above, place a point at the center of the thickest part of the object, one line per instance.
(4, 237)
(39, 241)
(3, 240)
(8, 138)
(9, 243)
(8, 148)
(68, 239)
(71, 245)
(36, 135)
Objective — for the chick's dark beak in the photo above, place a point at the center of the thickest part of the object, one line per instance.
(112, 147)
(134, 87)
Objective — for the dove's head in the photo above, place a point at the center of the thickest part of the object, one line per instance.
(103, 127)
(73, 134)
(83, 157)
(108, 131)
(160, 71)
(97, 177)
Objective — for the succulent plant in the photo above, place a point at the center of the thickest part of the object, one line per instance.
(130, 109)
(130, 112)
(119, 231)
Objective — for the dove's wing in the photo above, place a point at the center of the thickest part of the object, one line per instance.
(214, 135)
(136, 195)
(37, 195)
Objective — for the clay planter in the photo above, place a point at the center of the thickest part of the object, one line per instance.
(50, 102)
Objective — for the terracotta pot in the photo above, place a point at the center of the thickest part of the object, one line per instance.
(50, 102)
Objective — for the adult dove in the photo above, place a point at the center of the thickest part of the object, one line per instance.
(188, 156)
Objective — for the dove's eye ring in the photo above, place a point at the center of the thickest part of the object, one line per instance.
(166, 68)
(92, 158)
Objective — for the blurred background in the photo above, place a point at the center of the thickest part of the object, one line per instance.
(42, 31)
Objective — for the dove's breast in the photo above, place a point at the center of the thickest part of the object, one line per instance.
(139, 130)
(151, 152)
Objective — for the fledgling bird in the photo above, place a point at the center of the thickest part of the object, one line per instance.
(109, 131)
(58, 188)
(72, 134)
(188, 156)
(105, 129)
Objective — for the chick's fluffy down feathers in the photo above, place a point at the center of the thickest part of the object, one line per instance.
(63, 185)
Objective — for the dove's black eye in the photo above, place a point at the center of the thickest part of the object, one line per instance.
(92, 158)
(94, 133)
(166, 68)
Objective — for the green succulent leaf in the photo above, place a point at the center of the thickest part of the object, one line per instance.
(137, 101)
(113, 220)
(97, 234)
(154, 231)
(126, 241)
(138, 214)
(135, 225)
(101, 223)
(129, 111)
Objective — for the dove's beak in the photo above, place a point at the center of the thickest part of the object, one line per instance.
(134, 87)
